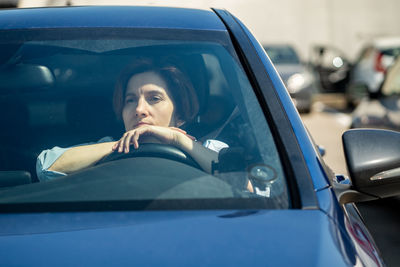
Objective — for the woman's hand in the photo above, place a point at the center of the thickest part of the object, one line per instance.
(168, 135)
(165, 135)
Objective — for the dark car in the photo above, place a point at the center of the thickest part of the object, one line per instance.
(383, 109)
(331, 67)
(8, 3)
(296, 75)
(264, 196)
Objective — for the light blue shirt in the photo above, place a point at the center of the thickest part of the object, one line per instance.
(49, 156)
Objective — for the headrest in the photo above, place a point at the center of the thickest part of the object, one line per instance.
(215, 115)
(14, 118)
(93, 114)
(25, 77)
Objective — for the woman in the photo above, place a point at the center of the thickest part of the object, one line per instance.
(153, 101)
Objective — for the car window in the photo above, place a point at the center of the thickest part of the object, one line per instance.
(58, 93)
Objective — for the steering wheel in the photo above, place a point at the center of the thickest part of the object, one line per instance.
(153, 150)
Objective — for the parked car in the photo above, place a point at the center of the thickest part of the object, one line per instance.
(369, 69)
(8, 3)
(299, 80)
(382, 110)
(267, 198)
(332, 68)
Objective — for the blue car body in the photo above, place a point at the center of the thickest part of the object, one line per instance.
(319, 232)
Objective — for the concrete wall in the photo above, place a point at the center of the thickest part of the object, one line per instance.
(346, 24)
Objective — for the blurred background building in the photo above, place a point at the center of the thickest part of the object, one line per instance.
(345, 24)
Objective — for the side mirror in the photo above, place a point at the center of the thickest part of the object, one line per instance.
(321, 150)
(373, 162)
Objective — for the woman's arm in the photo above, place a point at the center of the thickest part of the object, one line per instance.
(81, 157)
(173, 136)
(202, 155)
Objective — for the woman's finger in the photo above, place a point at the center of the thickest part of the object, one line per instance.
(191, 137)
(116, 145)
(119, 148)
(120, 143)
(178, 129)
(183, 131)
(135, 139)
(127, 141)
(113, 148)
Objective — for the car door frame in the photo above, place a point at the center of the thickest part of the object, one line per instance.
(278, 109)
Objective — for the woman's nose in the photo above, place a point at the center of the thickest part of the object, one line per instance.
(141, 108)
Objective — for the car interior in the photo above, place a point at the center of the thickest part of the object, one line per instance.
(49, 98)
(58, 92)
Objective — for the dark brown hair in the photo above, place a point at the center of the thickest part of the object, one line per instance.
(183, 95)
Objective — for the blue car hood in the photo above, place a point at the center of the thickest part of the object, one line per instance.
(188, 238)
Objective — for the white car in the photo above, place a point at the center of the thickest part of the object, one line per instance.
(383, 111)
(370, 68)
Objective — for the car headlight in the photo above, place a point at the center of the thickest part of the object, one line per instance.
(298, 81)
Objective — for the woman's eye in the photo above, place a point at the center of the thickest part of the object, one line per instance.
(155, 98)
(129, 100)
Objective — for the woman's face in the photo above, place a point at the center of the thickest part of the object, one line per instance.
(147, 102)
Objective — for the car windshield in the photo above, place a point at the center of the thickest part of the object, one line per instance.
(282, 54)
(59, 92)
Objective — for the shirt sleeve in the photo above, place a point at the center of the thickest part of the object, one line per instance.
(215, 145)
(47, 157)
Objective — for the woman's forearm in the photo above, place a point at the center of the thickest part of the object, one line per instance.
(80, 157)
(202, 155)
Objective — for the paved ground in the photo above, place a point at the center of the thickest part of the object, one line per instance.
(327, 121)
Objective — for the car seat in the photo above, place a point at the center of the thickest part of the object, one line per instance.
(15, 136)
